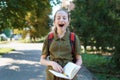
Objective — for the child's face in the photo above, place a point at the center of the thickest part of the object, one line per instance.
(61, 20)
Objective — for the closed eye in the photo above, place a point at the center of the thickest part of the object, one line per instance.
(58, 18)
(64, 18)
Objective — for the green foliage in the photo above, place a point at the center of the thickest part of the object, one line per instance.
(93, 60)
(14, 16)
(116, 55)
(38, 19)
(100, 66)
(106, 77)
(97, 22)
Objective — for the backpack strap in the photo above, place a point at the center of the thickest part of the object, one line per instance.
(72, 43)
(50, 39)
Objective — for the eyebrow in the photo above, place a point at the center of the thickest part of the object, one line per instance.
(60, 16)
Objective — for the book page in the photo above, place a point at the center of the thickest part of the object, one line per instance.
(68, 69)
(59, 74)
(75, 71)
(71, 69)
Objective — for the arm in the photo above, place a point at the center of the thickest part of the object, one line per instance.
(54, 65)
(45, 62)
(43, 59)
(79, 60)
(78, 56)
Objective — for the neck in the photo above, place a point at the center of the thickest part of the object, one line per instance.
(61, 33)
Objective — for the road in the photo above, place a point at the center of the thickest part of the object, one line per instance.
(23, 64)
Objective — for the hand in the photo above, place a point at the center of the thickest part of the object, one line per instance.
(56, 67)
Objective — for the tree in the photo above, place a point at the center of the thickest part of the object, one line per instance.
(97, 22)
(38, 19)
(16, 12)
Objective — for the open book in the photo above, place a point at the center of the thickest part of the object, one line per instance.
(70, 70)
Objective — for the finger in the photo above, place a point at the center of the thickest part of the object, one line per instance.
(60, 69)
(56, 68)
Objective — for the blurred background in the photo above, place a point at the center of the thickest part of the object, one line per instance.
(96, 22)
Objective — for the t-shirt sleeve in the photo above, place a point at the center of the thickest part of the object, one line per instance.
(77, 46)
(45, 47)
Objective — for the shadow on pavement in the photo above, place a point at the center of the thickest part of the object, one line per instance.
(22, 65)
(31, 55)
(25, 65)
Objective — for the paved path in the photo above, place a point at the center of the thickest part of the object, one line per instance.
(23, 64)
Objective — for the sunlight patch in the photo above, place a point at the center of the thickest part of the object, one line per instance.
(16, 52)
(6, 61)
(16, 68)
(26, 62)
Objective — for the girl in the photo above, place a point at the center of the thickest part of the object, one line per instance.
(60, 48)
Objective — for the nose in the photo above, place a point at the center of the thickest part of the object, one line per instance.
(61, 19)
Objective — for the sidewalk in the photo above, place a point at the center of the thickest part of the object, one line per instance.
(85, 74)
(24, 64)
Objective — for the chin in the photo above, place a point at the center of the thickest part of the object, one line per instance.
(63, 29)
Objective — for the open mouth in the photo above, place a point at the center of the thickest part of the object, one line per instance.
(61, 25)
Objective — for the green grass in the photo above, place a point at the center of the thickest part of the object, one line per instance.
(100, 66)
(94, 59)
(106, 77)
(5, 50)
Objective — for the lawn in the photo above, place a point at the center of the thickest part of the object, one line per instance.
(100, 66)
(5, 50)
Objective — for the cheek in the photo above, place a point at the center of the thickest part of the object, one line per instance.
(67, 23)
(55, 23)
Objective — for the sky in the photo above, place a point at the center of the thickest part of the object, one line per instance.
(57, 7)
(54, 9)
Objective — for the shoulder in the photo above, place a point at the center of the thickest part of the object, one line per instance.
(49, 36)
(73, 34)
